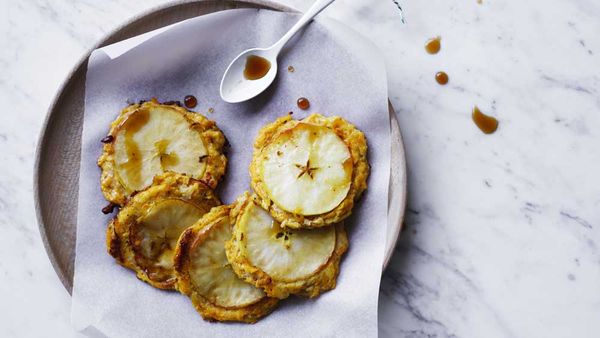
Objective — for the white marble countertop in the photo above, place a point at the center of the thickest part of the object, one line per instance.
(502, 231)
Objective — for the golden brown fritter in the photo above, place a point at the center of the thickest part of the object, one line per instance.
(309, 173)
(204, 274)
(150, 138)
(144, 234)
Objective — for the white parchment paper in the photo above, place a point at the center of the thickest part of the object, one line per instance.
(340, 72)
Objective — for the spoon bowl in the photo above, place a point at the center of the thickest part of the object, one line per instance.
(236, 88)
(234, 85)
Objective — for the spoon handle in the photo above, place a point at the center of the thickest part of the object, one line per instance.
(315, 9)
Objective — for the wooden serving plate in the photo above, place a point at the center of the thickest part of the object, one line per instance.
(56, 180)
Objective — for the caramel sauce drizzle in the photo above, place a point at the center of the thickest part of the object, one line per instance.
(303, 103)
(487, 124)
(132, 125)
(433, 46)
(167, 160)
(441, 78)
(256, 67)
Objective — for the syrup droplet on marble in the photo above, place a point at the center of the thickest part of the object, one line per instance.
(441, 78)
(433, 46)
(487, 124)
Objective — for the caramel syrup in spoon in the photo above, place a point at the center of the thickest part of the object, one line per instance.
(256, 67)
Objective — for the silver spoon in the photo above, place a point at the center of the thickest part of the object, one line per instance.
(234, 85)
